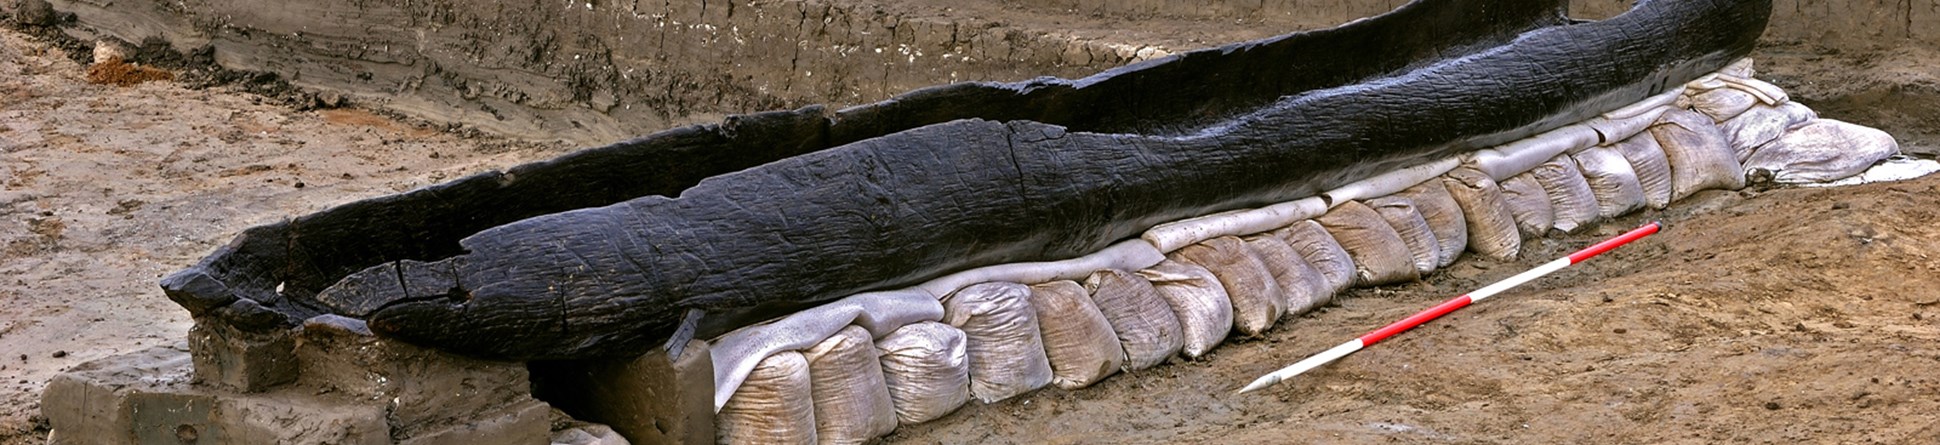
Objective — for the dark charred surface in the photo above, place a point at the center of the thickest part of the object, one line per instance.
(585, 280)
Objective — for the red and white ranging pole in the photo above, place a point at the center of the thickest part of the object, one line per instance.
(1448, 306)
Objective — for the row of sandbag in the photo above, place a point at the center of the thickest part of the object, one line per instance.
(998, 340)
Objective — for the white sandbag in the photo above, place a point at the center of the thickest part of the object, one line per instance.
(1491, 225)
(1303, 285)
(1823, 150)
(1173, 236)
(1391, 182)
(1652, 168)
(1205, 315)
(1762, 125)
(1530, 205)
(1699, 156)
(1569, 194)
(1719, 104)
(773, 406)
(1612, 180)
(927, 370)
(852, 403)
(1401, 214)
(1520, 156)
(1256, 298)
(1006, 350)
(1146, 327)
(1741, 68)
(1130, 255)
(1444, 218)
(1380, 255)
(1077, 338)
(1321, 250)
(1623, 123)
(736, 353)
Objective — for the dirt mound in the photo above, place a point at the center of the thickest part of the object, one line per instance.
(1731, 327)
(122, 74)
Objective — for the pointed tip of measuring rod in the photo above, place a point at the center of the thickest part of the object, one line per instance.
(1258, 384)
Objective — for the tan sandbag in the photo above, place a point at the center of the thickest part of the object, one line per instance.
(927, 370)
(1380, 255)
(1257, 300)
(1205, 315)
(1146, 327)
(1824, 150)
(1719, 104)
(1569, 193)
(1612, 179)
(1006, 350)
(1491, 226)
(1444, 217)
(1303, 285)
(1530, 204)
(1321, 250)
(1077, 338)
(774, 405)
(1763, 124)
(852, 403)
(1652, 168)
(1401, 214)
(1699, 156)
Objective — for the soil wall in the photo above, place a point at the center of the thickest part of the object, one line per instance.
(595, 71)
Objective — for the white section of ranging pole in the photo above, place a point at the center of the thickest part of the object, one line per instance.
(1304, 365)
(1518, 280)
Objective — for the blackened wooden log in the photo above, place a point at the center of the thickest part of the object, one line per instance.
(894, 210)
(269, 277)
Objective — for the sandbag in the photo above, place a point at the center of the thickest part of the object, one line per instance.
(1652, 168)
(1321, 250)
(774, 405)
(1077, 338)
(1491, 226)
(1762, 125)
(852, 403)
(927, 370)
(1612, 180)
(1400, 213)
(1569, 194)
(1257, 300)
(1699, 156)
(1380, 255)
(1001, 335)
(1303, 285)
(1146, 328)
(1444, 217)
(1530, 204)
(1205, 315)
(1823, 150)
(1719, 104)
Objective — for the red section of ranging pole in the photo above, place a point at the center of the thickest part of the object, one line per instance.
(1600, 248)
(1449, 306)
(1416, 320)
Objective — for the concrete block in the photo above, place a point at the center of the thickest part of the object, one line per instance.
(89, 404)
(249, 362)
(522, 424)
(426, 390)
(651, 400)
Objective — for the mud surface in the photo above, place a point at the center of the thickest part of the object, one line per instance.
(105, 188)
(1781, 316)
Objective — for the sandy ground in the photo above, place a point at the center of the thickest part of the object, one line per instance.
(1773, 316)
(104, 189)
